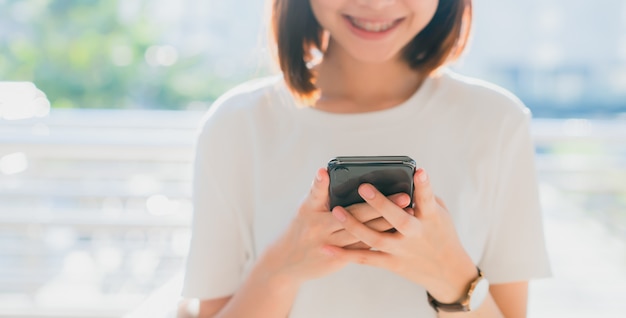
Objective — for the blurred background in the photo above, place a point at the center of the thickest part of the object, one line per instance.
(99, 101)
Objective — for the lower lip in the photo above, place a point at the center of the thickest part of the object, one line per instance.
(367, 35)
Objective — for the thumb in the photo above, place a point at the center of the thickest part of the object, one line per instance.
(423, 194)
(318, 196)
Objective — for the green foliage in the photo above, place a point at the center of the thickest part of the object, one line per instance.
(85, 54)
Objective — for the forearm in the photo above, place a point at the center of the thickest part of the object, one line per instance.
(263, 294)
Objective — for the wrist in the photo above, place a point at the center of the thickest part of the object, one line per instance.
(454, 281)
(473, 298)
(269, 270)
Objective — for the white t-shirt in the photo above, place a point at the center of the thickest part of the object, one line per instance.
(258, 151)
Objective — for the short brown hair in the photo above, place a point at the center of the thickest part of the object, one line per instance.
(296, 32)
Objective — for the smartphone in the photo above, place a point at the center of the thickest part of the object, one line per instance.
(389, 174)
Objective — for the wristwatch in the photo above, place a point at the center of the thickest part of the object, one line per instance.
(476, 294)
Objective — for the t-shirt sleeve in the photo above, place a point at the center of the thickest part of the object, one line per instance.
(516, 248)
(219, 249)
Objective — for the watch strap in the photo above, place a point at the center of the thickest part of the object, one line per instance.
(462, 305)
(455, 307)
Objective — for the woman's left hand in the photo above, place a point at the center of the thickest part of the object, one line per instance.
(425, 249)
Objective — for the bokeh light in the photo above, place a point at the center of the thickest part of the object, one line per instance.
(13, 163)
(22, 100)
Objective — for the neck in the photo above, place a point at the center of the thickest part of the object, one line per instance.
(348, 85)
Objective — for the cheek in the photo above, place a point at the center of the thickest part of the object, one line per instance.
(325, 11)
(424, 11)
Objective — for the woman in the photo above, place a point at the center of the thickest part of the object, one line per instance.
(474, 237)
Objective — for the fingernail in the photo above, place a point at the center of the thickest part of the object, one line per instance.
(405, 201)
(423, 176)
(367, 192)
(339, 215)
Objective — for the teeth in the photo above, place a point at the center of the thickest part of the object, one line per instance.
(372, 26)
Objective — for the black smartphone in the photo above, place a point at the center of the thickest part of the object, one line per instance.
(389, 174)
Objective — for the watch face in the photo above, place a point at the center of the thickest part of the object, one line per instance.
(479, 294)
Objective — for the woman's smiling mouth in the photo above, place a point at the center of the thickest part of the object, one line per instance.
(375, 26)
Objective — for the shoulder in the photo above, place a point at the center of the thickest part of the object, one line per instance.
(478, 98)
(240, 104)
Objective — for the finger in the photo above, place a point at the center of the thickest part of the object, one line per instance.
(423, 194)
(379, 225)
(360, 231)
(400, 199)
(410, 211)
(361, 256)
(318, 196)
(358, 246)
(364, 212)
(396, 216)
(344, 238)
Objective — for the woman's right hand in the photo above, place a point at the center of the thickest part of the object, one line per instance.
(300, 254)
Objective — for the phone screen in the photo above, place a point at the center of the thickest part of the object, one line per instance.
(390, 175)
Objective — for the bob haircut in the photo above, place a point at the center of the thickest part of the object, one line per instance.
(296, 34)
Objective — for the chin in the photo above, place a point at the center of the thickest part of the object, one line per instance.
(375, 57)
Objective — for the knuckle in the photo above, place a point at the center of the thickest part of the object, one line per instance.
(377, 242)
(417, 235)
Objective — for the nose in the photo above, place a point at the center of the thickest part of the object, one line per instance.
(376, 4)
